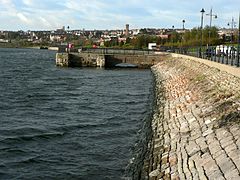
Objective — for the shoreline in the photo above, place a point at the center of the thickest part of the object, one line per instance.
(34, 47)
(156, 125)
(196, 123)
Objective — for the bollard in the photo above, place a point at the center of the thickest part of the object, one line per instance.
(226, 62)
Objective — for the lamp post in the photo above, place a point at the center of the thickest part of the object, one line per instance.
(172, 36)
(68, 39)
(210, 24)
(183, 21)
(202, 12)
(238, 49)
(233, 24)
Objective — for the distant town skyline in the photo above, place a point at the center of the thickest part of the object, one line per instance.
(113, 14)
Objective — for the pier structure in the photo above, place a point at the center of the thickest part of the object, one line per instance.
(108, 58)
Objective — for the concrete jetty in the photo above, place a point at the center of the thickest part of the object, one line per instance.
(196, 123)
(108, 58)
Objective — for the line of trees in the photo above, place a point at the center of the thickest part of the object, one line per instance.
(194, 37)
(188, 38)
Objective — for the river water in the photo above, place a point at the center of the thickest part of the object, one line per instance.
(68, 123)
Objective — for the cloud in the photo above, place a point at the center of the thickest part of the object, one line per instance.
(85, 7)
(28, 2)
(7, 5)
(23, 18)
(109, 14)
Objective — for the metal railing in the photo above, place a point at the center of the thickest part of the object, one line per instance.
(224, 54)
(107, 51)
(110, 51)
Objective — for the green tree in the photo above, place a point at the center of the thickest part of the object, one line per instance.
(121, 43)
(128, 40)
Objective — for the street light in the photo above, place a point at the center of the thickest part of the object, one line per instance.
(202, 12)
(211, 16)
(238, 49)
(183, 21)
(172, 36)
(233, 24)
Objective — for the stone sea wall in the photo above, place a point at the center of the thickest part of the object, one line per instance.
(85, 59)
(196, 123)
(80, 60)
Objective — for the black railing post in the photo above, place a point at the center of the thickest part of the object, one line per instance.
(238, 49)
(222, 58)
(231, 55)
(203, 53)
(215, 55)
(227, 54)
(211, 52)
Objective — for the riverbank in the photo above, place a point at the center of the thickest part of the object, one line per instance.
(31, 47)
(196, 123)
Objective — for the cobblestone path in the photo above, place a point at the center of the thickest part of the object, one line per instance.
(196, 126)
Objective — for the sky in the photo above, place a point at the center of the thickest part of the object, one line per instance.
(113, 14)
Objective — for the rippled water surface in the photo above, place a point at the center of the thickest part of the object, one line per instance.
(67, 123)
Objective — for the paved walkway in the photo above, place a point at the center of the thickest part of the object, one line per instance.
(197, 137)
(223, 67)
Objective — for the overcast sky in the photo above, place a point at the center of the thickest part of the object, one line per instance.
(112, 14)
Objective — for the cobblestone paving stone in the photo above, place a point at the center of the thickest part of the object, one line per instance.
(198, 136)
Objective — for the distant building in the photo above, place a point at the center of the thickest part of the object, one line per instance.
(164, 36)
(4, 40)
(61, 30)
(59, 35)
(152, 46)
(135, 31)
(127, 30)
(227, 33)
(32, 36)
(123, 39)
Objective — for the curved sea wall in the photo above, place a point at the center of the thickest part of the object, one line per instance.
(196, 123)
